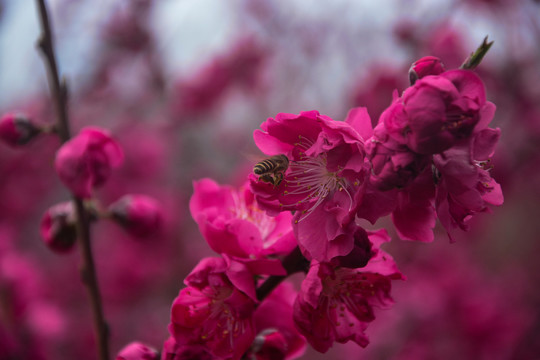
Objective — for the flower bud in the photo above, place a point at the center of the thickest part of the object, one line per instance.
(270, 344)
(137, 351)
(58, 227)
(140, 215)
(16, 130)
(428, 65)
(360, 254)
(86, 160)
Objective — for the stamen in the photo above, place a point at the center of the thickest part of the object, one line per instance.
(309, 178)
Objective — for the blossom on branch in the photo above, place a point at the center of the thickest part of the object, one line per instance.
(140, 215)
(437, 111)
(16, 130)
(336, 303)
(232, 223)
(465, 186)
(86, 161)
(323, 183)
(216, 309)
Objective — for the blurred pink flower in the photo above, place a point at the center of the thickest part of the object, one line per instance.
(140, 215)
(59, 227)
(240, 65)
(375, 91)
(336, 304)
(216, 308)
(455, 308)
(16, 130)
(137, 351)
(86, 160)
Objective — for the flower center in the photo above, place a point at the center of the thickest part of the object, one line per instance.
(251, 212)
(308, 180)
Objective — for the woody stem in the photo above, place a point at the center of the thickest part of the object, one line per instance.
(88, 271)
(293, 263)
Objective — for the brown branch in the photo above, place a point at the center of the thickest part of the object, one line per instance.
(293, 263)
(88, 271)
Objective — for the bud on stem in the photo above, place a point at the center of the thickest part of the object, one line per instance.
(17, 129)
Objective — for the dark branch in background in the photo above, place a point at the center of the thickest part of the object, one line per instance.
(476, 57)
(293, 263)
(88, 271)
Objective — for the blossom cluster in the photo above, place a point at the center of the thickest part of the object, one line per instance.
(297, 263)
(427, 158)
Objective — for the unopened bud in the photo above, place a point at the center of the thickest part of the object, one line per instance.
(58, 227)
(140, 215)
(428, 65)
(137, 351)
(360, 254)
(270, 344)
(86, 161)
(17, 130)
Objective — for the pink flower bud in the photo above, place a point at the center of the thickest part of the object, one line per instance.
(140, 215)
(86, 160)
(137, 351)
(58, 227)
(16, 130)
(428, 65)
(270, 344)
(360, 254)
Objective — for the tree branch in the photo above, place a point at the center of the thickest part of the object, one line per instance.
(293, 263)
(88, 271)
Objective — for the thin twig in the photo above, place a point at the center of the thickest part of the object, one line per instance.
(88, 270)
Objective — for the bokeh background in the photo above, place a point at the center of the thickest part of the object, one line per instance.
(183, 84)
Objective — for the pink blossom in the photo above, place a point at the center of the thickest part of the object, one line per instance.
(140, 215)
(86, 160)
(446, 42)
(240, 65)
(465, 186)
(323, 182)
(375, 91)
(336, 304)
(16, 130)
(216, 309)
(271, 344)
(428, 65)
(127, 29)
(59, 228)
(137, 351)
(454, 303)
(400, 183)
(232, 223)
(414, 216)
(277, 337)
(437, 111)
(394, 165)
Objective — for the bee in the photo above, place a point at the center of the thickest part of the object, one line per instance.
(271, 170)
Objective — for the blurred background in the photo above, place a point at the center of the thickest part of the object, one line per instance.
(182, 85)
